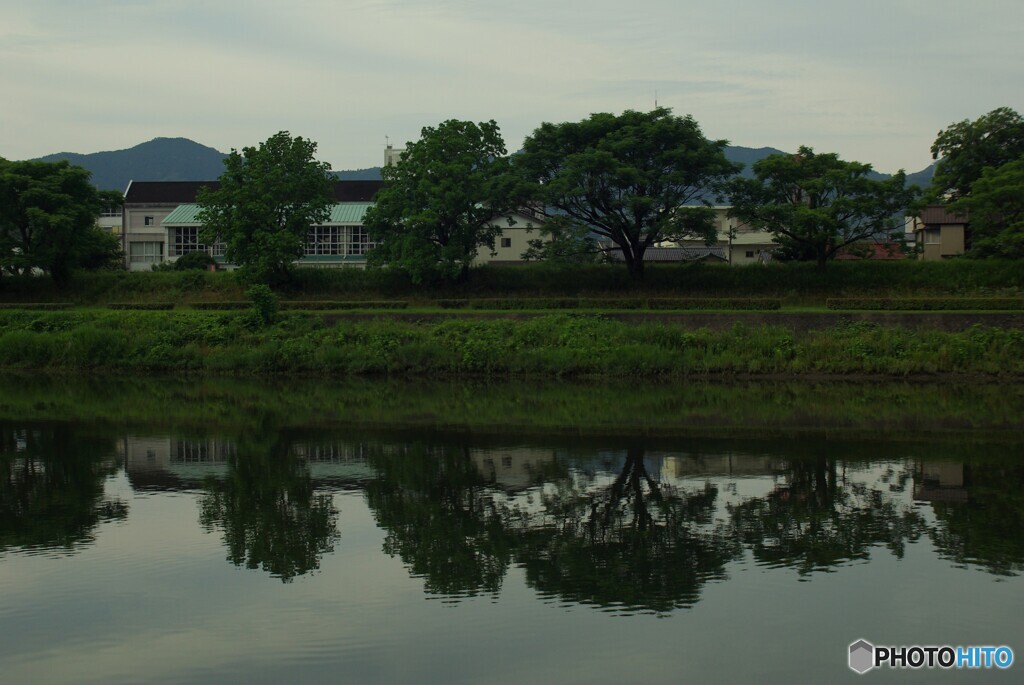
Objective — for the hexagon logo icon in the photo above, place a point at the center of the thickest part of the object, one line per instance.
(862, 656)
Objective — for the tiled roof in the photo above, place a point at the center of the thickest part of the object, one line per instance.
(342, 213)
(184, 192)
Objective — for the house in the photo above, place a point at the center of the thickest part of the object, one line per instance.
(737, 243)
(939, 233)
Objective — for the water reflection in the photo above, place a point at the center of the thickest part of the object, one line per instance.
(817, 518)
(632, 541)
(51, 487)
(637, 525)
(979, 509)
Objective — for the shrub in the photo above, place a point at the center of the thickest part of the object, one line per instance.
(194, 261)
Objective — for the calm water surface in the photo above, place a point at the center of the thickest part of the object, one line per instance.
(265, 552)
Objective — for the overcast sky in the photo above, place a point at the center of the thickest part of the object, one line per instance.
(873, 80)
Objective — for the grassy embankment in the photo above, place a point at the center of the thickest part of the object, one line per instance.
(577, 343)
(893, 411)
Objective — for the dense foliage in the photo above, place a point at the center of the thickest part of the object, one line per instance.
(965, 149)
(633, 180)
(546, 346)
(268, 198)
(48, 214)
(445, 200)
(817, 204)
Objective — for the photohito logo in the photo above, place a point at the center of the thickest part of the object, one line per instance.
(865, 656)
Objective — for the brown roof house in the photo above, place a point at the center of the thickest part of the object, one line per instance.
(939, 233)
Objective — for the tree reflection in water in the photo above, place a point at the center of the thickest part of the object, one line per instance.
(819, 520)
(268, 511)
(636, 544)
(441, 518)
(980, 517)
(51, 487)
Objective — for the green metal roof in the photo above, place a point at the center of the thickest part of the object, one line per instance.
(183, 215)
(348, 213)
(343, 213)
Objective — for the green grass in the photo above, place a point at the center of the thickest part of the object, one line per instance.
(551, 345)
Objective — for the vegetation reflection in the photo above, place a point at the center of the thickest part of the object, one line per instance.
(268, 511)
(634, 543)
(52, 487)
(817, 519)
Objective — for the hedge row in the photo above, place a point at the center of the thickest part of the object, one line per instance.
(37, 306)
(927, 303)
(742, 303)
(143, 306)
(222, 306)
(345, 304)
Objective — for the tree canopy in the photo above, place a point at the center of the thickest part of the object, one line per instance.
(633, 179)
(48, 214)
(995, 208)
(443, 201)
(817, 204)
(268, 198)
(966, 148)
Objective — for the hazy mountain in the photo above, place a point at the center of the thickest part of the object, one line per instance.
(180, 159)
(161, 159)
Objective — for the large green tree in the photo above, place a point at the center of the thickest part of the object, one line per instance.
(443, 201)
(268, 198)
(995, 208)
(48, 214)
(633, 179)
(966, 148)
(817, 204)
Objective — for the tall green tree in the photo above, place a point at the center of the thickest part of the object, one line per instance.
(995, 209)
(633, 179)
(48, 214)
(817, 204)
(443, 201)
(268, 198)
(966, 148)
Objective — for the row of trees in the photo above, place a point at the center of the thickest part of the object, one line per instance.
(628, 181)
(48, 214)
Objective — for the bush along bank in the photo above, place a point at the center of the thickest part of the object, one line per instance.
(557, 345)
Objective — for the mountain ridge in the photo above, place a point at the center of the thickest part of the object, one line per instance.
(182, 159)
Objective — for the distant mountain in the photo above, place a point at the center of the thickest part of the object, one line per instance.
(161, 159)
(181, 159)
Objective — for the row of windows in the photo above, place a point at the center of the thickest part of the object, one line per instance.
(338, 240)
(321, 240)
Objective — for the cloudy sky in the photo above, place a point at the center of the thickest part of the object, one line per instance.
(873, 80)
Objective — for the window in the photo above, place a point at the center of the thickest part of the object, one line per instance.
(185, 239)
(325, 240)
(146, 252)
(932, 236)
(506, 242)
(359, 241)
(111, 211)
(750, 254)
(149, 220)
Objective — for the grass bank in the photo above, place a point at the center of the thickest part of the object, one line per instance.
(795, 284)
(556, 345)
